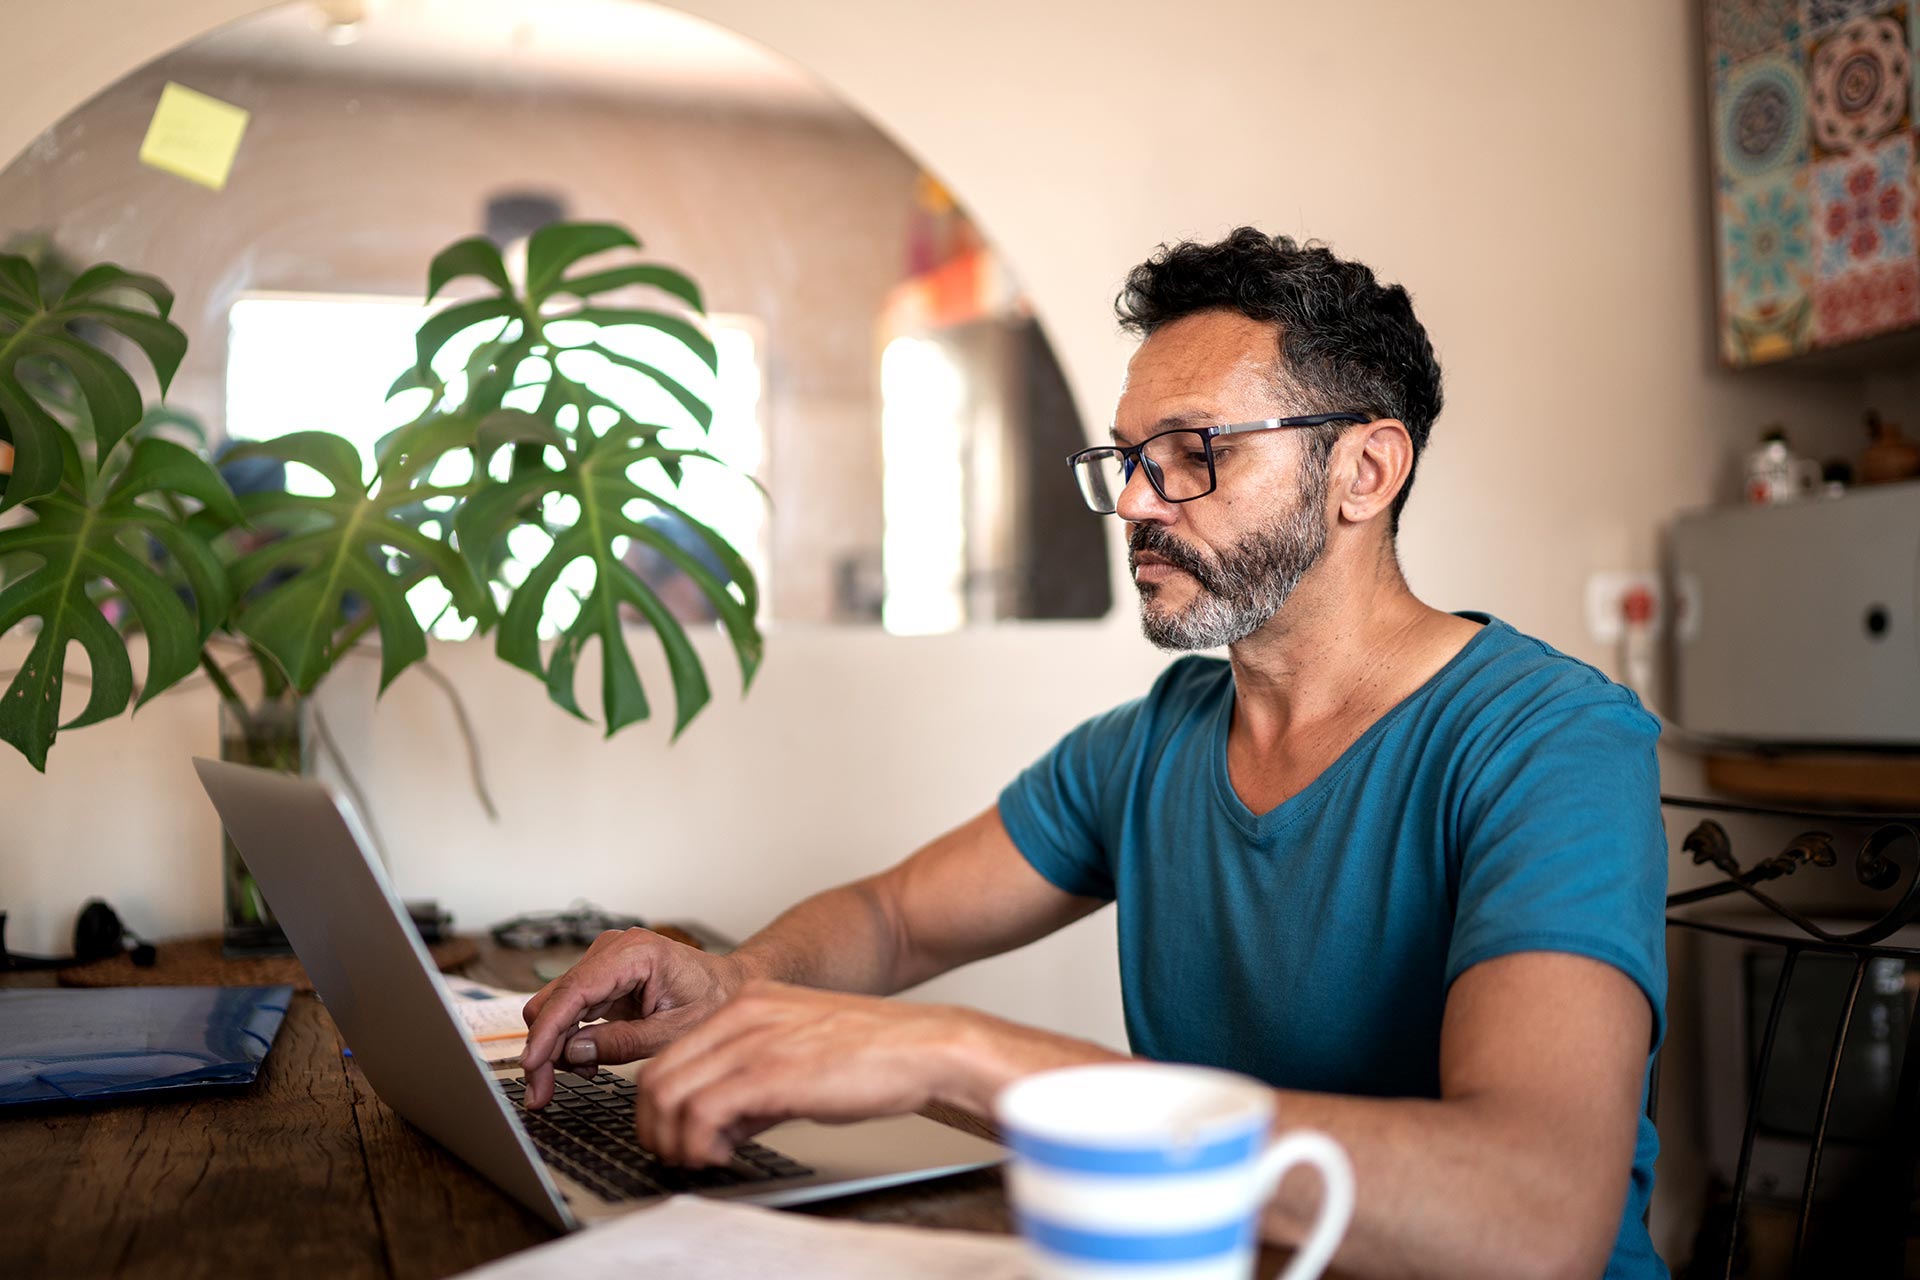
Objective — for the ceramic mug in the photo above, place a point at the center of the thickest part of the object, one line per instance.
(1158, 1172)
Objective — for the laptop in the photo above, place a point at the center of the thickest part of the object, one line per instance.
(577, 1160)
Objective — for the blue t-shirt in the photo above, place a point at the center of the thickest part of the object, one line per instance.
(1509, 804)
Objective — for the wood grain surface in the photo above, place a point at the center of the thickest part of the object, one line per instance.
(437, 1216)
(197, 962)
(215, 1183)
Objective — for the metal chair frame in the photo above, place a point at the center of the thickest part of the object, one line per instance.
(1709, 844)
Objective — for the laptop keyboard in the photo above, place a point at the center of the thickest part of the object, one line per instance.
(586, 1132)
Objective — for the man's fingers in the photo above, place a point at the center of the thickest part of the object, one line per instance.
(596, 982)
(610, 938)
(744, 1130)
(537, 1001)
(608, 1042)
(539, 1082)
(742, 1014)
(737, 1034)
(617, 978)
(585, 1049)
(670, 1080)
(563, 1011)
(544, 1037)
(742, 1103)
(583, 1061)
(668, 1089)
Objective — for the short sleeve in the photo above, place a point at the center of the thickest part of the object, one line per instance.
(1562, 845)
(1053, 809)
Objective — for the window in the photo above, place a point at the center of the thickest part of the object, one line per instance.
(924, 551)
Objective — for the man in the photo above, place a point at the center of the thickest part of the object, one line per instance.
(1405, 866)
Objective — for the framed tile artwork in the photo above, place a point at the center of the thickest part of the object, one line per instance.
(1814, 105)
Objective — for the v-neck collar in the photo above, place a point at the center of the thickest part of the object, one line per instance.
(1282, 815)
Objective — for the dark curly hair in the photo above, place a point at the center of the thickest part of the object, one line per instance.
(1346, 341)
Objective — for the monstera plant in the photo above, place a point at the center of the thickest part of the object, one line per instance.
(106, 528)
(95, 496)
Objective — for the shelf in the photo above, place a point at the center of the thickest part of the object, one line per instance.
(1875, 781)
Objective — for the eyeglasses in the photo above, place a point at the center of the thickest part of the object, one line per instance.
(1179, 463)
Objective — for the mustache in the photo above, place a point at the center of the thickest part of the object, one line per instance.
(1154, 539)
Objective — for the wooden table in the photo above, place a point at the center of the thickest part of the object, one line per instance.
(308, 1173)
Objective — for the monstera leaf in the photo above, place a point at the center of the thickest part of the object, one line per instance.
(57, 334)
(332, 570)
(525, 318)
(77, 541)
(595, 476)
(526, 393)
(117, 525)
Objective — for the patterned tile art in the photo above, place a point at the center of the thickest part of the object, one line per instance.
(1814, 109)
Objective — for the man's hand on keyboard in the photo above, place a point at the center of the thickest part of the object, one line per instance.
(777, 1051)
(651, 990)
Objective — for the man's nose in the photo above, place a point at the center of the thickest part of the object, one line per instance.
(1140, 502)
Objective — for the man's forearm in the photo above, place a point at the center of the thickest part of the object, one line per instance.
(990, 1053)
(1449, 1188)
(966, 895)
(1446, 1188)
(844, 939)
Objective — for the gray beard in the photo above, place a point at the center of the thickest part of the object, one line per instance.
(1242, 590)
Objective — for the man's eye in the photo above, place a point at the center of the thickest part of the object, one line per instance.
(1200, 459)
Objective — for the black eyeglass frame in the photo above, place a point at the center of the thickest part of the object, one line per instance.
(1133, 455)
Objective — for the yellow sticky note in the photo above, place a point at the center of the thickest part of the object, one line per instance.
(193, 136)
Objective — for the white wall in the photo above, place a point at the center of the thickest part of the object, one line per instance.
(1534, 172)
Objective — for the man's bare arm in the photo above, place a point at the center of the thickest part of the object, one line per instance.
(968, 895)
(1519, 1169)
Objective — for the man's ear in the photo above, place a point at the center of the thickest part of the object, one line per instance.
(1379, 465)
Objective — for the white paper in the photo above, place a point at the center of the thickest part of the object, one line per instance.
(493, 1018)
(495, 1015)
(492, 1012)
(689, 1238)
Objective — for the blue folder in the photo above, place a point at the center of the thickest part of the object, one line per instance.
(109, 1042)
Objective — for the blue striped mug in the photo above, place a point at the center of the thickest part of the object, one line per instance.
(1152, 1171)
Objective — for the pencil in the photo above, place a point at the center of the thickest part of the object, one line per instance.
(500, 1035)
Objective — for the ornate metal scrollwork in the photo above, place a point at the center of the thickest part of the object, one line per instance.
(1888, 855)
(1709, 845)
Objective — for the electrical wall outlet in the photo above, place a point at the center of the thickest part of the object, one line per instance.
(1607, 595)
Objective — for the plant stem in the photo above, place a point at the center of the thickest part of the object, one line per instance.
(352, 783)
(228, 694)
(475, 768)
(273, 678)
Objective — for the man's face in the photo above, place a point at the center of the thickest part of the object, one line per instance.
(1213, 571)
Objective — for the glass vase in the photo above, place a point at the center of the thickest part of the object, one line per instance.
(269, 731)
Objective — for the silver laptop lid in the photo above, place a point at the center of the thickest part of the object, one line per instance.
(306, 848)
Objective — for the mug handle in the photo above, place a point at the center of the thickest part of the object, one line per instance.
(1307, 1146)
